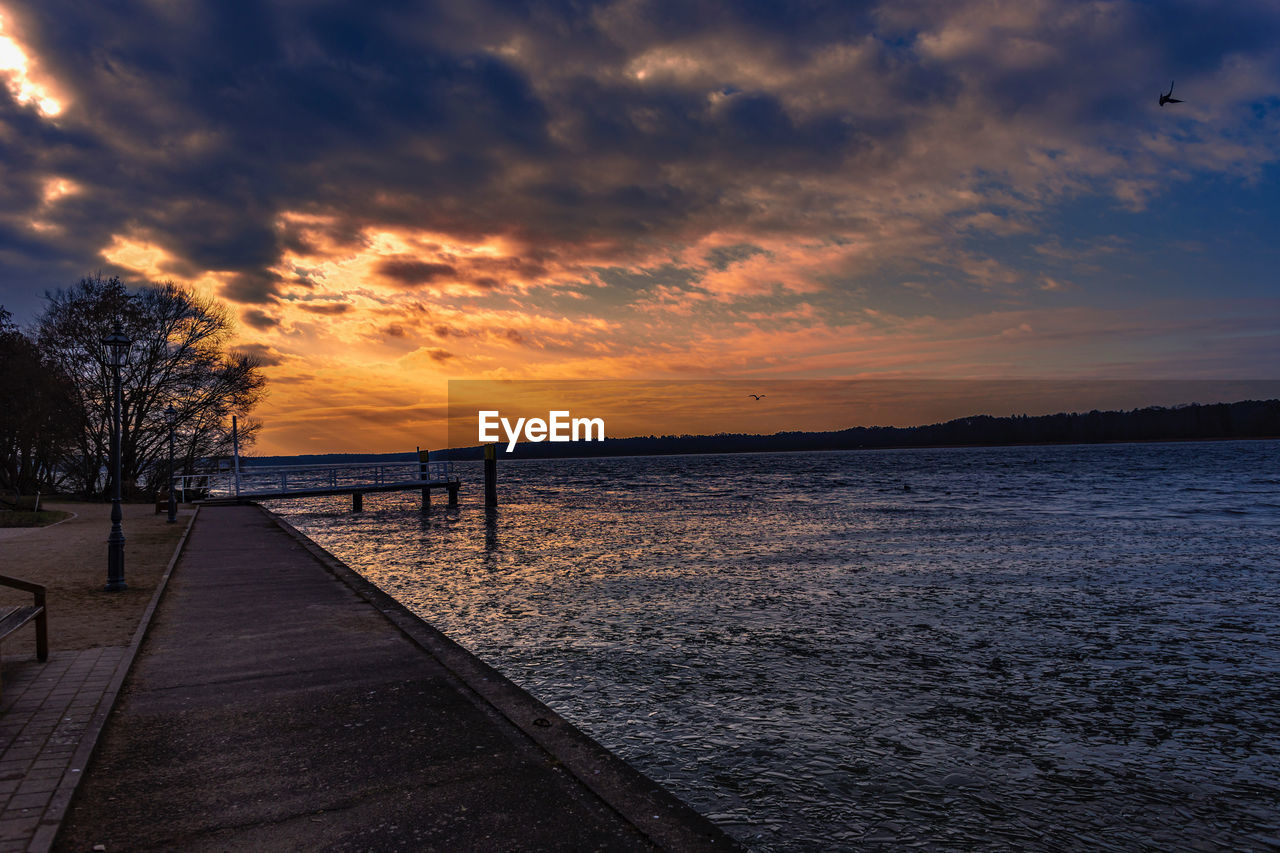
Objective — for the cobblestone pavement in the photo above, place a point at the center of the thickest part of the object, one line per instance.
(46, 710)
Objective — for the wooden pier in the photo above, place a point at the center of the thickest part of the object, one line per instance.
(258, 483)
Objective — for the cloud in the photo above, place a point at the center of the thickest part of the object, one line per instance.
(650, 123)
(261, 353)
(411, 273)
(622, 178)
(251, 287)
(325, 308)
(259, 319)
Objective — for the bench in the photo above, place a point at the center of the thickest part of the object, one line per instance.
(13, 618)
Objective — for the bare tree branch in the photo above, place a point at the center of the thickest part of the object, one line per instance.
(179, 358)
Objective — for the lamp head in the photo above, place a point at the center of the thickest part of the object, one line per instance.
(170, 415)
(117, 344)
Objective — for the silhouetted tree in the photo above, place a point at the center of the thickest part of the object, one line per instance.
(179, 358)
(39, 420)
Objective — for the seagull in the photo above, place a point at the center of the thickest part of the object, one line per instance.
(757, 396)
(1168, 98)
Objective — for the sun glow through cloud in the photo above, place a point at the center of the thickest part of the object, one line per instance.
(140, 256)
(15, 66)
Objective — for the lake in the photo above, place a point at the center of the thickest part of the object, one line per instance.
(947, 649)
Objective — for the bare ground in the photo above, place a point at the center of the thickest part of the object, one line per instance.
(70, 559)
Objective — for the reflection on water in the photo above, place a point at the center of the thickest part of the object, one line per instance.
(987, 649)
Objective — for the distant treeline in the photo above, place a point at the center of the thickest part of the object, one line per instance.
(1245, 419)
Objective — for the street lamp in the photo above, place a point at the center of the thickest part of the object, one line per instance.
(171, 418)
(116, 347)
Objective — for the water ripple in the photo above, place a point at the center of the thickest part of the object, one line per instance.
(967, 649)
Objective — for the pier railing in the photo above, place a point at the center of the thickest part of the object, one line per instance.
(292, 478)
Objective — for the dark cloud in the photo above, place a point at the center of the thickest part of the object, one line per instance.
(204, 127)
(253, 286)
(259, 319)
(802, 24)
(722, 257)
(1193, 37)
(262, 354)
(196, 128)
(299, 379)
(412, 273)
(326, 308)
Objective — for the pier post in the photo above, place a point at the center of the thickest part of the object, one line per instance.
(423, 467)
(357, 501)
(453, 494)
(491, 475)
(235, 454)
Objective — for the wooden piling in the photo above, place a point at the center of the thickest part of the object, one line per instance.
(423, 470)
(491, 475)
(357, 501)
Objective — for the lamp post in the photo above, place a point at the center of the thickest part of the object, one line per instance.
(171, 418)
(117, 346)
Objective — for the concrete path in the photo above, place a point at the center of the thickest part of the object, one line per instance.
(274, 707)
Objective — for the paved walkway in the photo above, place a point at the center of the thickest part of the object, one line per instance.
(45, 712)
(279, 704)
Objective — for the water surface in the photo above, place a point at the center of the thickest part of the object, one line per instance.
(986, 649)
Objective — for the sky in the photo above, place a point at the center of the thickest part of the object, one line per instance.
(391, 195)
(647, 407)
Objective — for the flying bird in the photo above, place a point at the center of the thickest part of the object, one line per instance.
(1168, 98)
(757, 396)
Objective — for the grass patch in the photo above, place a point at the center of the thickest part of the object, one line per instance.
(24, 518)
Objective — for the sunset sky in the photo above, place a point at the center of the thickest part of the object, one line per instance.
(390, 195)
